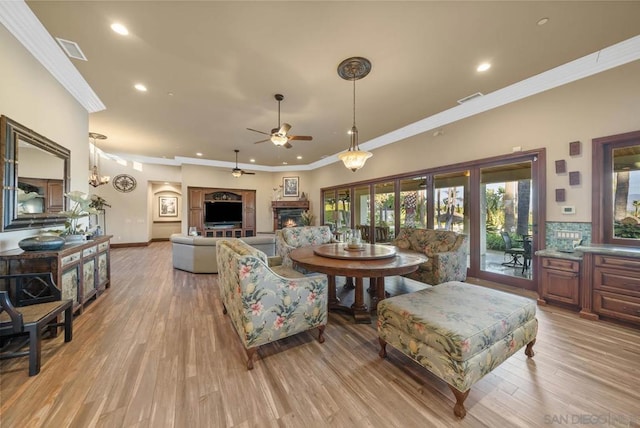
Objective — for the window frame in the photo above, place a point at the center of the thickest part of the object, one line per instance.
(602, 187)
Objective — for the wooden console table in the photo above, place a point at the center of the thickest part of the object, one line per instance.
(81, 270)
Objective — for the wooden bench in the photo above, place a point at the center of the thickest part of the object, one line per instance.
(458, 331)
(41, 307)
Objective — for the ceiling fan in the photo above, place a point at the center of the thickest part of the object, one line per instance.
(237, 172)
(278, 136)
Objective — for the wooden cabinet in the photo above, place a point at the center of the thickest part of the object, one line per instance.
(196, 208)
(55, 196)
(51, 191)
(82, 271)
(199, 195)
(616, 287)
(249, 213)
(560, 281)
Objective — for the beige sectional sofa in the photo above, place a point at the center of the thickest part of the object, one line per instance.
(197, 254)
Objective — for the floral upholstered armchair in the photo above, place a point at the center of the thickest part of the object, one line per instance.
(266, 304)
(290, 238)
(446, 253)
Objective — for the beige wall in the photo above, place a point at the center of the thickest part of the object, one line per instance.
(605, 104)
(130, 219)
(32, 97)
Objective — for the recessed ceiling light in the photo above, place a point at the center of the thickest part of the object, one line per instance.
(285, 163)
(120, 29)
(170, 94)
(483, 67)
(252, 160)
(140, 87)
(298, 157)
(543, 21)
(198, 154)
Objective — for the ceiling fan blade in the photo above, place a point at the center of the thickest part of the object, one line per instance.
(262, 141)
(259, 132)
(301, 137)
(284, 129)
(248, 173)
(288, 145)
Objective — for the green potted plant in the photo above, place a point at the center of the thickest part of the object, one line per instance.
(307, 218)
(81, 207)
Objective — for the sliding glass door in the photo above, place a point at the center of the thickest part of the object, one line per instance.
(506, 219)
(495, 202)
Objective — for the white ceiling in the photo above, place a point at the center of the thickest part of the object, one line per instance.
(224, 61)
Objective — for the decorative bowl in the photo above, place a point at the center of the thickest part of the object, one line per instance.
(41, 243)
(353, 246)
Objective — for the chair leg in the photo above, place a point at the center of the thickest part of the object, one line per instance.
(68, 324)
(35, 336)
(250, 353)
(458, 408)
(321, 333)
(383, 348)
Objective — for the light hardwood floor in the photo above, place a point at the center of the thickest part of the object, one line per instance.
(155, 350)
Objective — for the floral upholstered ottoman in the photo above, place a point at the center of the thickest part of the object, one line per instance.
(458, 331)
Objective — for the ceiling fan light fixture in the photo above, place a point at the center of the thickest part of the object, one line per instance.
(237, 172)
(353, 69)
(279, 140)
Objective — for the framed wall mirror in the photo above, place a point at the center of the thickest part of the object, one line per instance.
(35, 177)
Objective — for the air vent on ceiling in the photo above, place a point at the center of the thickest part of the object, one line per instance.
(470, 97)
(71, 49)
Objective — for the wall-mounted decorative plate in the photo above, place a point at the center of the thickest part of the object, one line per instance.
(124, 183)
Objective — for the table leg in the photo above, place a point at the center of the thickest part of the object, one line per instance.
(348, 285)
(360, 311)
(333, 298)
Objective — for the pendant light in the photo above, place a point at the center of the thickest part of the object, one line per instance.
(353, 69)
(95, 179)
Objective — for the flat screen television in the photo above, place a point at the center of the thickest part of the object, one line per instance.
(220, 212)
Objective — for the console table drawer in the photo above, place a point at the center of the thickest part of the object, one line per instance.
(560, 264)
(71, 258)
(617, 306)
(89, 251)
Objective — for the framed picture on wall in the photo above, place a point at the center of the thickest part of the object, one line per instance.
(168, 206)
(290, 187)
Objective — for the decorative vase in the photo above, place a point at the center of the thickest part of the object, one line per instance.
(75, 238)
(41, 243)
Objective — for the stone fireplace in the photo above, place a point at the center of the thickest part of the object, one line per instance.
(288, 213)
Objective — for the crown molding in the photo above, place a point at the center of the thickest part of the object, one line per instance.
(27, 29)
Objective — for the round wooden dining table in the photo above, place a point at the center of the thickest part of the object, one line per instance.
(370, 261)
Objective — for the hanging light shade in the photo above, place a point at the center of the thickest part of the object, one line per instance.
(95, 179)
(353, 69)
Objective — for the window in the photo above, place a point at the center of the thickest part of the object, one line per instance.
(616, 179)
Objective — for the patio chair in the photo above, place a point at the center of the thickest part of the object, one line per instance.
(512, 254)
